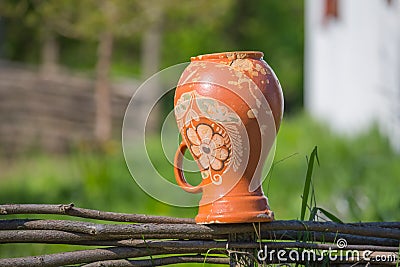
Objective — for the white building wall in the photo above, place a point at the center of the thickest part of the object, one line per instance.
(352, 71)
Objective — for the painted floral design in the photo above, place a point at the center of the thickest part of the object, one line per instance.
(208, 147)
(189, 108)
(216, 110)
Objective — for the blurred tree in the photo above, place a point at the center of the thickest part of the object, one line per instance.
(170, 17)
(42, 18)
(17, 36)
(106, 21)
(13, 9)
(89, 20)
(277, 29)
(196, 27)
(274, 27)
(152, 36)
(169, 32)
(35, 14)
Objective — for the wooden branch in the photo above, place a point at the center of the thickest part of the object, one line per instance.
(138, 243)
(60, 237)
(161, 236)
(92, 255)
(378, 224)
(106, 257)
(54, 230)
(243, 245)
(62, 225)
(360, 229)
(329, 237)
(69, 209)
(323, 227)
(161, 261)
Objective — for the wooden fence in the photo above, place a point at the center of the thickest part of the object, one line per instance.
(51, 113)
(145, 240)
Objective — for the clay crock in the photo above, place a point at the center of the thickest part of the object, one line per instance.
(228, 107)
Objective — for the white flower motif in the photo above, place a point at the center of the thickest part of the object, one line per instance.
(182, 105)
(208, 147)
(216, 110)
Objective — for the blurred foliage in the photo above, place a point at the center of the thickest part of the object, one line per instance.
(189, 28)
(355, 180)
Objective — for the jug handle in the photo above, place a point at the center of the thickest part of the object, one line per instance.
(178, 171)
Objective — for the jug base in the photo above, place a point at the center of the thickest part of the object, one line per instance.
(237, 209)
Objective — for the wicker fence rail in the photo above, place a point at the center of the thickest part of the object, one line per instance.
(144, 240)
(52, 113)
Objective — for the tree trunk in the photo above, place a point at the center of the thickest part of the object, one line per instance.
(151, 55)
(151, 49)
(50, 55)
(103, 120)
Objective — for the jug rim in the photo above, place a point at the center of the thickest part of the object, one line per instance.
(230, 55)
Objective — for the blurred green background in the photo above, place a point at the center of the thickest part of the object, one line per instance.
(106, 41)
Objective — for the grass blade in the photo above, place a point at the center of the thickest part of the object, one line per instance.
(329, 215)
(307, 183)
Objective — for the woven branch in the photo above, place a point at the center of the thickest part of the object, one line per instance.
(71, 210)
(329, 237)
(158, 236)
(221, 229)
(62, 237)
(52, 231)
(160, 261)
(93, 255)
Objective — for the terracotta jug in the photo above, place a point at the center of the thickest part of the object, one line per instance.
(228, 107)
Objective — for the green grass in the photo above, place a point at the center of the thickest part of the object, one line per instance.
(357, 180)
